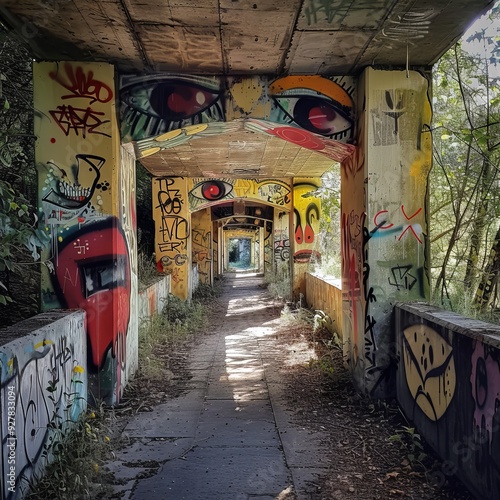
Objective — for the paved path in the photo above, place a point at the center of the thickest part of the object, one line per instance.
(229, 436)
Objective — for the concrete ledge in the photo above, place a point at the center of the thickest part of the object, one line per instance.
(488, 333)
(448, 385)
(43, 379)
(325, 294)
(151, 298)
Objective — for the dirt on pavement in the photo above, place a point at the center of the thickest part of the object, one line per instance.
(374, 452)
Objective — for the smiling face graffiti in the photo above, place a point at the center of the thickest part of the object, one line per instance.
(72, 187)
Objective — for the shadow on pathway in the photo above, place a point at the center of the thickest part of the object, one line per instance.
(229, 436)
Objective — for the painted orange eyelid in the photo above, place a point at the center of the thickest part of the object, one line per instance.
(317, 83)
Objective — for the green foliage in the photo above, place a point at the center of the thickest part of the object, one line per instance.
(75, 452)
(329, 235)
(170, 328)
(146, 225)
(19, 239)
(278, 282)
(464, 183)
(322, 322)
(205, 292)
(17, 228)
(411, 442)
(147, 272)
(176, 310)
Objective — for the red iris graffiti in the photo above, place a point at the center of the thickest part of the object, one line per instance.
(213, 190)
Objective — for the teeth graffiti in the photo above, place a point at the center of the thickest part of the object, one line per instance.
(71, 192)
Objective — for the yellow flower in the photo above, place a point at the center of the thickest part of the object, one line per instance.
(95, 467)
(78, 369)
(107, 439)
(92, 415)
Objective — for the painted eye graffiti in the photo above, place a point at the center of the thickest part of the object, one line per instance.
(306, 235)
(153, 106)
(211, 190)
(315, 103)
(299, 235)
(317, 115)
(312, 211)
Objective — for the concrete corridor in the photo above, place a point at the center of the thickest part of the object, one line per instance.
(229, 436)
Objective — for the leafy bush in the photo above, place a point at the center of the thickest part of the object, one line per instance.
(17, 229)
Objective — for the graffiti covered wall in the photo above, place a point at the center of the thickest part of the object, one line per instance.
(89, 258)
(202, 244)
(384, 229)
(204, 192)
(128, 223)
(165, 110)
(173, 231)
(448, 385)
(152, 299)
(42, 380)
(307, 213)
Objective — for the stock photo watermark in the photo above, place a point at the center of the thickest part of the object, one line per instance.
(10, 480)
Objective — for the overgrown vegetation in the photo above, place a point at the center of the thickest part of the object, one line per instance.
(318, 332)
(77, 452)
(170, 328)
(147, 272)
(412, 445)
(278, 282)
(328, 240)
(19, 238)
(465, 194)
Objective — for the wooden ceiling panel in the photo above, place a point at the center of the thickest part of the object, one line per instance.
(180, 49)
(338, 15)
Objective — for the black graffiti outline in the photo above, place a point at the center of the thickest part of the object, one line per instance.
(400, 273)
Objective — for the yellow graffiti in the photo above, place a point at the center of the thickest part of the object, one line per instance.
(307, 212)
(172, 231)
(248, 99)
(429, 369)
(43, 343)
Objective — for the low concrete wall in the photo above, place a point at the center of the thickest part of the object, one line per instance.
(42, 371)
(151, 298)
(448, 385)
(325, 294)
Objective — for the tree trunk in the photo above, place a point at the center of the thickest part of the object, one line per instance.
(490, 276)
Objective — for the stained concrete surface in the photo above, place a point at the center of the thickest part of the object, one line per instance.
(230, 435)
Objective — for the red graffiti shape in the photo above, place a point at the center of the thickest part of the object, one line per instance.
(298, 136)
(82, 85)
(376, 222)
(411, 216)
(101, 287)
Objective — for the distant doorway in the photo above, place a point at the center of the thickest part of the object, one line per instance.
(240, 253)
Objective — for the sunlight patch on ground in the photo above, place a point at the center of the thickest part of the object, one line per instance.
(299, 353)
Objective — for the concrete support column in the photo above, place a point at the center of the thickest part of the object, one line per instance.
(385, 246)
(87, 205)
(173, 232)
(306, 216)
(202, 243)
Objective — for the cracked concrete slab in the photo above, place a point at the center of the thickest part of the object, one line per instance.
(231, 435)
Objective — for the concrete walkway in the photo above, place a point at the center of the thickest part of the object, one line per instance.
(230, 435)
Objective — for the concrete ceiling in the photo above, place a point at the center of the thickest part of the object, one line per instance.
(238, 153)
(242, 37)
(228, 37)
